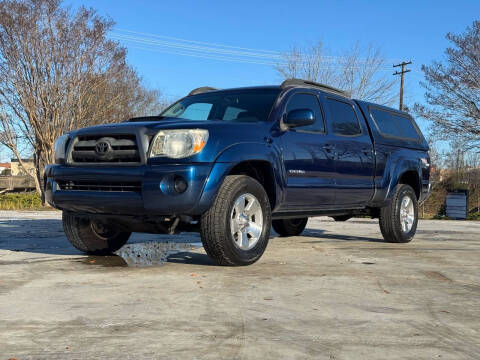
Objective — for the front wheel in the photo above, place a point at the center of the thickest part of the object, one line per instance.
(236, 229)
(289, 227)
(91, 236)
(398, 221)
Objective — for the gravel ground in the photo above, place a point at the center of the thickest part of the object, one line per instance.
(336, 292)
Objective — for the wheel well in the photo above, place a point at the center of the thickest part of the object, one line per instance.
(261, 171)
(411, 178)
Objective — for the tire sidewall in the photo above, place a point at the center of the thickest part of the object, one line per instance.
(253, 187)
(81, 235)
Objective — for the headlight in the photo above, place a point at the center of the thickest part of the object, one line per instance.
(178, 143)
(60, 148)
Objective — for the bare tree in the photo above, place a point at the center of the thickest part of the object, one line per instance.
(58, 72)
(453, 89)
(435, 155)
(358, 71)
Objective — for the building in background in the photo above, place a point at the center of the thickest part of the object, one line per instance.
(5, 168)
(17, 170)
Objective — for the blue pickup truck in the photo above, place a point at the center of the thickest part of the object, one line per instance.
(233, 163)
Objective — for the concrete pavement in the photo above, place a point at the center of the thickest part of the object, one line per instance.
(337, 292)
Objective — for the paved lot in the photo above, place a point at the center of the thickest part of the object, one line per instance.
(337, 292)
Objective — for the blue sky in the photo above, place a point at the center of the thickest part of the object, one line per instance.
(403, 30)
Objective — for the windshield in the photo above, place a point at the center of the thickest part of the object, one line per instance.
(235, 106)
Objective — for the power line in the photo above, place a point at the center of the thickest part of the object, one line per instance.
(218, 57)
(214, 51)
(402, 73)
(197, 48)
(148, 36)
(203, 56)
(226, 58)
(196, 42)
(206, 49)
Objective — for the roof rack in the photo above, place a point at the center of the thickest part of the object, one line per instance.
(201, 90)
(300, 82)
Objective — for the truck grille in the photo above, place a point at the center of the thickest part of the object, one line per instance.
(123, 186)
(111, 149)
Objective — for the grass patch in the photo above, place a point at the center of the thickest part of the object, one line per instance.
(474, 216)
(21, 201)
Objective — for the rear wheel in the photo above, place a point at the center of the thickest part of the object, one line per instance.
(236, 229)
(398, 221)
(91, 236)
(341, 217)
(289, 227)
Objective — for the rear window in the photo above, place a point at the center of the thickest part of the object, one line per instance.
(394, 125)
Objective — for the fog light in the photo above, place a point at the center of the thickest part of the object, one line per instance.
(180, 184)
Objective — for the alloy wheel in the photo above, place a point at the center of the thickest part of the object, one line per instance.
(407, 214)
(246, 221)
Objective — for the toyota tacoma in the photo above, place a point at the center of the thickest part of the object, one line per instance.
(232, 163)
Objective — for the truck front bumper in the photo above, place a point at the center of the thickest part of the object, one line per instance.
(139, 190)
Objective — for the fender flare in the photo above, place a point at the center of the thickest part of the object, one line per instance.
(396, 166)
(235, 154)
(400, 166)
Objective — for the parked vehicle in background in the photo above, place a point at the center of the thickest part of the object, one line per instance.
(232, 163)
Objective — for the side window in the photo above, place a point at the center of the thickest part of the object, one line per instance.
(384, 122)
(396, 125)
(307, 101)
(406, 126)
(344, 119)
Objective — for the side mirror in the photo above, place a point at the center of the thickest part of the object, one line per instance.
(299, 117)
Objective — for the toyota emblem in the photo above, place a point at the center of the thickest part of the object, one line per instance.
(102, 147)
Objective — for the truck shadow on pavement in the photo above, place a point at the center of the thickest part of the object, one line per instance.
(46, 236)
(35, 235)
(327, 237)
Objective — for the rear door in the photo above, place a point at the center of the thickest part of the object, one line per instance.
(354, 158)
(308, 157)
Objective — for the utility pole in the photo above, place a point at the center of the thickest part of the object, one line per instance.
(402, 73)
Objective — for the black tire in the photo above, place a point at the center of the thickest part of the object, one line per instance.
(390, 216)
(215, 231)
(342, 217)
(289, 227)
(84, 234)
